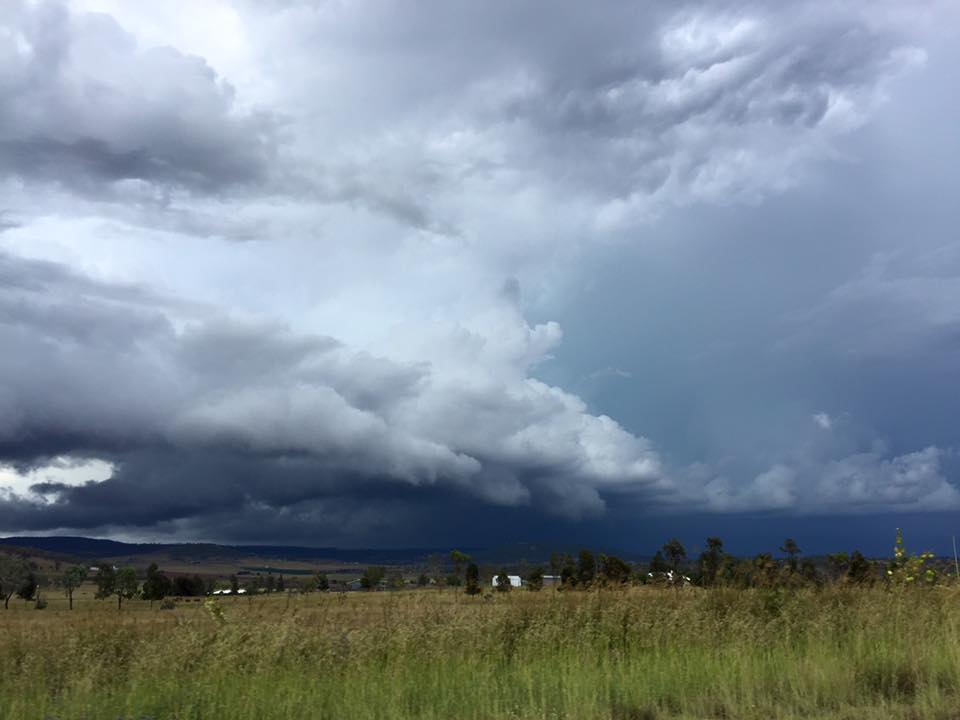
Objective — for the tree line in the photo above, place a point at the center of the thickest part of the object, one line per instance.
(670, 565)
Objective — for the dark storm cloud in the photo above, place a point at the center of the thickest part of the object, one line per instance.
(201, 414)
(786, 365)
(624, 107)
(83, 107)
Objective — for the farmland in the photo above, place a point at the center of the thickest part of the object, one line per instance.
(635, 653)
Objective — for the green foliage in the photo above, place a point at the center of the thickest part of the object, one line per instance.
(71, 579)
(809, 573)
(503, 581)
(472, 579)
(658, 565)
(675, 554)
(215, 610)
(614, 570)
(14, 571)
(534, 579)
(106, 580)
(370, 580)
(791, 550)
(321, 581)
(712, 561)
(907, 569)
(28, 587)
(837, 564)
(119, 583)
(568, 572)
(586, 568)
(459, 560)
(126, 587)
(157, 585)
(188, 586)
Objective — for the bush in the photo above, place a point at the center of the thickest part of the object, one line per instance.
(168, 604)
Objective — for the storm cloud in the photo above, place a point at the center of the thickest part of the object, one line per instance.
(346, 272)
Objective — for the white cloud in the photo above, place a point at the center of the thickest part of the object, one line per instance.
(63, 470)
(823, 421)
(863, 482)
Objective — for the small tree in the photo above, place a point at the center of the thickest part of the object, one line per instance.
(372, 577)
(909, 569)
(860, 570)
(106, 579)
(157, 585)
(127, 586)
(613, 570)
(658, 565)
(792, 550)
(535, 579)
(28, 588)
(423, 580)
(586, 568)
(765, 570)
(322, 582)
(503, 581)
(472, 579)
(73, 578)
(808, 571)
(676, 554)
(711, 560)
(14, 572)
(459, 560)
(122, 583)
(837, 564)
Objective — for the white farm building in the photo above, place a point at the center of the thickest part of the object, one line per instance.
(515, 580)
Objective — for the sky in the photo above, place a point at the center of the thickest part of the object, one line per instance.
(378, 274)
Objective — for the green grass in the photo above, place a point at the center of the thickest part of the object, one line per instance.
(638, 654)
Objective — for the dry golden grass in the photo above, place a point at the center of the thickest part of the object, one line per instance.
(639, 653)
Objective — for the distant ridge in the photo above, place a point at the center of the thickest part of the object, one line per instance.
(93, 548)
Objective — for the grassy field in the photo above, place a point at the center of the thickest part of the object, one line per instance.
(641, 653)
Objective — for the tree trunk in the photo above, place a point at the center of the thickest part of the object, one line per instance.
(119, 601)
(6, 602)
(70, 599)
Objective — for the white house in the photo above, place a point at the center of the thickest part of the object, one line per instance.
(515, 580)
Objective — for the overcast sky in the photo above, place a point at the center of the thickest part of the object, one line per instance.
(404, 273)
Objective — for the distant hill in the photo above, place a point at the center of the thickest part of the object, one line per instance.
(89, 549)
(95, 548)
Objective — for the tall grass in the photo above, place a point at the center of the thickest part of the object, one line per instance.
(642, 653)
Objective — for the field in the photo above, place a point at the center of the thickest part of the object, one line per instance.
(641, 653)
